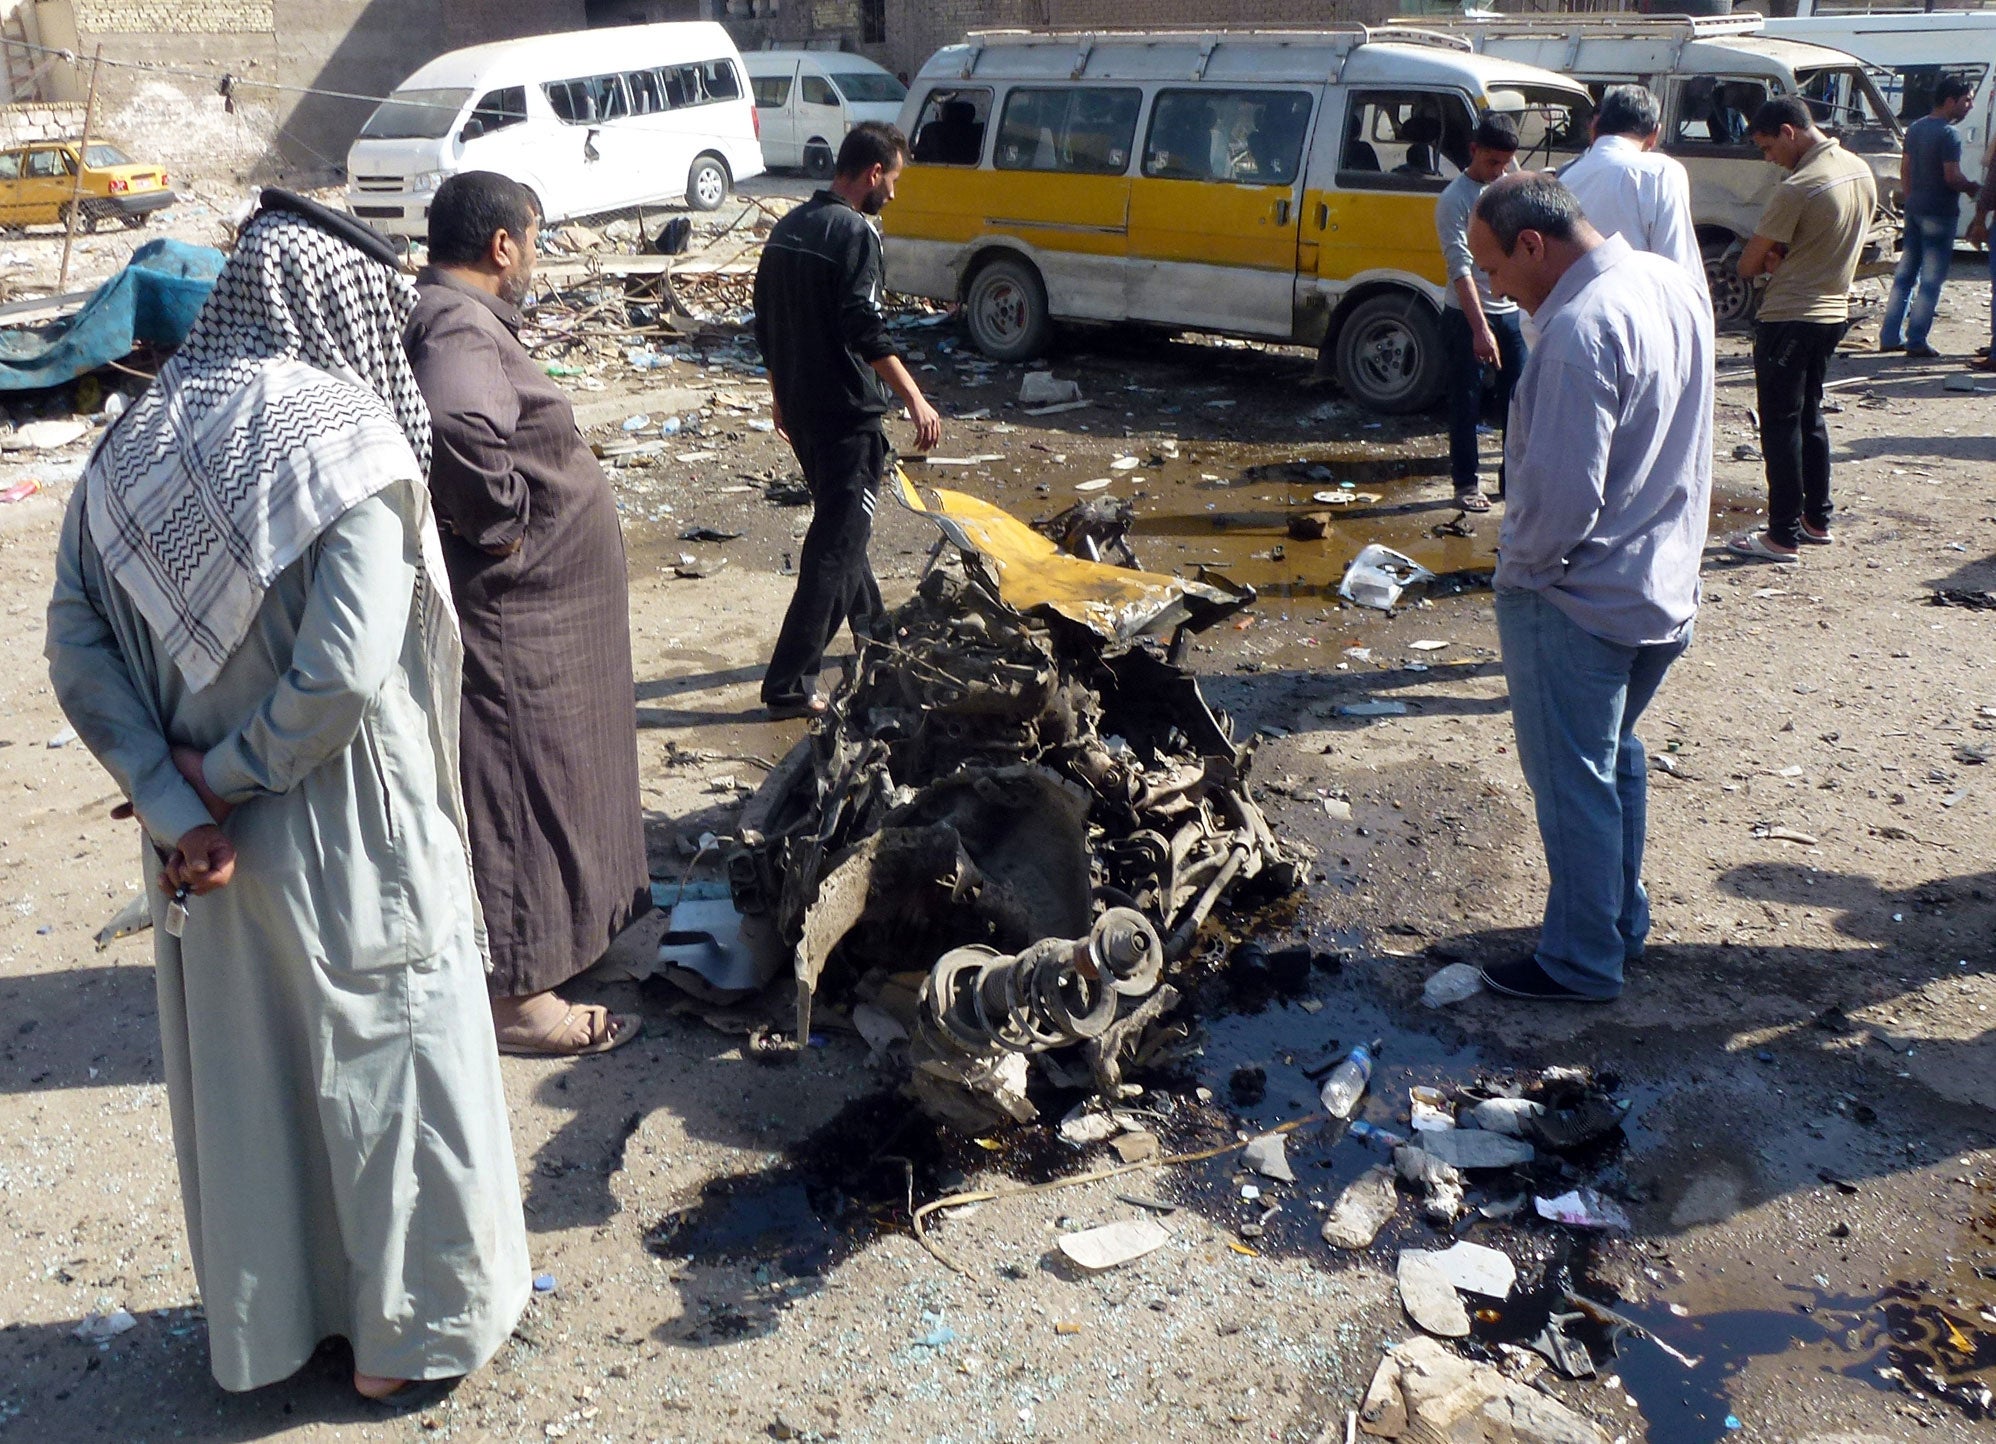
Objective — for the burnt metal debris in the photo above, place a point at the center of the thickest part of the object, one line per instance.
(1010, 824)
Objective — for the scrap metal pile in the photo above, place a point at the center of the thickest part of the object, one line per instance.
(1010, 825)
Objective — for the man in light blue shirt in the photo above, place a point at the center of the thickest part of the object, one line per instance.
(1610, 462)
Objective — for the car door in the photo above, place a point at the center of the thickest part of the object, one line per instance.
(821, 115)
(13, 201)
(1214, 208)
(1060, 182)
(47, 185)
(1375, 180)
(582, 153)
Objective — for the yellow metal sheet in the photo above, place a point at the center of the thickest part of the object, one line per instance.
(1030, 571)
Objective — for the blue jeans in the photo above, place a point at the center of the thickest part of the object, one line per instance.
(1465, 387)
(1992, 299)
(1927, 248)
(1575, 699)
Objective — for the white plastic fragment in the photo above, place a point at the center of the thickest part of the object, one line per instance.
(1040, 388)
(1452, 984)
(1475, 1269)
(1428, 1108)
(1429, 1298)
(1378, 575)
(1583, 1208)
(1113, 1244)
(97, 1328)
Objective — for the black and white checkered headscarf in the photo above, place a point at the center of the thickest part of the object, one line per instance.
(290, 402)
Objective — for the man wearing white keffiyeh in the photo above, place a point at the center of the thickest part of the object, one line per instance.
(251, 630)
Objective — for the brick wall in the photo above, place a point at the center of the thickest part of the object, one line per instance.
(20, 123)
(174, 17)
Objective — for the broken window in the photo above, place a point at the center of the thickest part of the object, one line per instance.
(498, 109)
(1087, 129)
(772, 92)
(588, 101)
(1715, 110)
(950, 127)
(10, 166)
(701, 84)
(1404, 140)
(1247, 137)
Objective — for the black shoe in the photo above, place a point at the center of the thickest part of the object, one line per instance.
(1524, 978)
(1922, 353)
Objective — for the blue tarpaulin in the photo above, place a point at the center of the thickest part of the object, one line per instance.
(154, 300)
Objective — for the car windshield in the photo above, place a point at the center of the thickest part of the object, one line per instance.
(1552, 124)
(415, 115)
(865, 87)
(1845, 103)
(99, 155)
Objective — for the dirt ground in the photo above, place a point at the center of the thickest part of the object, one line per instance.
(1808, 1045)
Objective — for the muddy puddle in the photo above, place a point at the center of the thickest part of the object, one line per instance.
(1231, 507)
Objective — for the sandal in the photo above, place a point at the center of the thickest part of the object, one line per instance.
(1472, 501)
(558, 1039)
(1755, 544)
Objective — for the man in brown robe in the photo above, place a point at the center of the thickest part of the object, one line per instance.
(536, 561)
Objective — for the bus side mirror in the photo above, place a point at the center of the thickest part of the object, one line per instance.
(473, 129)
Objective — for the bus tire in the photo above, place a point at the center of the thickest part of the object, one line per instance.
(1389, 354)
(1005, 308)
(707, 183)
(818, 160)
(1733, 299)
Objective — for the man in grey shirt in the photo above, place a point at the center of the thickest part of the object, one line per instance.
(1479, 328)
(1610, 451)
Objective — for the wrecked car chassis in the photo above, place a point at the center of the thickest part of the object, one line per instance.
(1005, 831)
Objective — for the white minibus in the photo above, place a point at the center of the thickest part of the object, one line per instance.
(806, 101)
(588, 120)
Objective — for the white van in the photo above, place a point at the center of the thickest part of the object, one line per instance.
(806, 101)
(1915, 49)
(588, 120)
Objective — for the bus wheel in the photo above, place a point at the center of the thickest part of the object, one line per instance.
(1389, 354)
(707, 184)
(818, 160)
(1732, 298)
(1006, 310)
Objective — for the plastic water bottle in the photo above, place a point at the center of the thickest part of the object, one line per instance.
(1347, 1083)
(1374, 1136)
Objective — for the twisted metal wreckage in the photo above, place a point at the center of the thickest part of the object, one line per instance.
(1010, 792)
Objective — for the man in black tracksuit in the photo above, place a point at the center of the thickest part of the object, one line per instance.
(817, 319)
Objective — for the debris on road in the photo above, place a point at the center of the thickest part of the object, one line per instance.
(1423, 1392)
(1362, 1210)
(1429, 1296)
(1010, 739)
(1378, 576)
(1113, 1244)
(1453, 984)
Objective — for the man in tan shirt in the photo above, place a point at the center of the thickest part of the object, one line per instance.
(1807, 245)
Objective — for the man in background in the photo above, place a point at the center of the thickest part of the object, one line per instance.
(833, 373)
(1625, 188)
(1931, 180)
(1479, 328)
(1807, 244)
(536, 561)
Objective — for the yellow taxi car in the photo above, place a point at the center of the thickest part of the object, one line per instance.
(39, 183)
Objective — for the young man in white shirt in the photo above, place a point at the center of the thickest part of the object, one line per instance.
(1627, 189)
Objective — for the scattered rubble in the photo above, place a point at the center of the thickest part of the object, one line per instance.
(1422, 1393)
